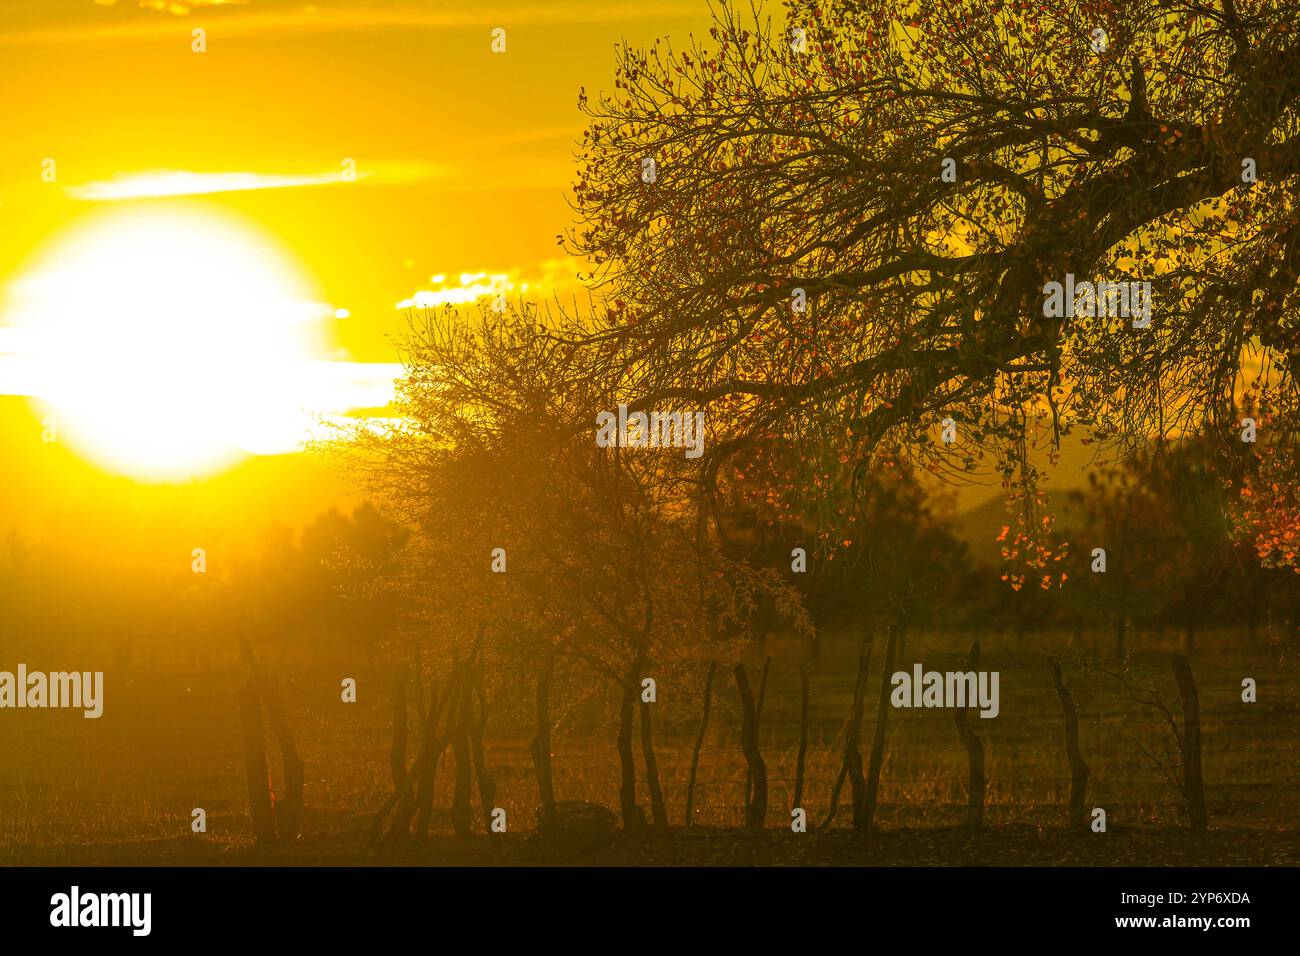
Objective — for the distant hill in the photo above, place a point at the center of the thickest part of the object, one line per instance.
(979, 526)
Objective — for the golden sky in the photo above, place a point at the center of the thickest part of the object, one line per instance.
(343, 159)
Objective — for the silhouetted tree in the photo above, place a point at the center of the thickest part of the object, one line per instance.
(768, 215)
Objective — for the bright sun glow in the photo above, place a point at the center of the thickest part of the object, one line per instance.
(166, 339)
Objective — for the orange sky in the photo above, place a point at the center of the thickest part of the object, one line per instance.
(463, 160)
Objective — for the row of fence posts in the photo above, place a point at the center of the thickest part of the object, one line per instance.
(455, 715)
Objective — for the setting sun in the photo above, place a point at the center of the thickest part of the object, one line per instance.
(166, 338)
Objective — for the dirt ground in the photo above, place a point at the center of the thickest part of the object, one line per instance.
(121, 790)
(1005, 846)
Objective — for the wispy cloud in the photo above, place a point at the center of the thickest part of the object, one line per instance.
(527, 136)
(171, 182)
(178, 8)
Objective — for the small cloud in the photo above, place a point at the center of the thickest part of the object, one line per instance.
(168, 182)
(307, 311)
(545, 280)
(472, 287)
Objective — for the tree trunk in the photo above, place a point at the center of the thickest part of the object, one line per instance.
(461, 809)
(758, 721)
(801, 760)
(397, 758)
(1193, 783)
(487, 787)
(975, 753)
(259, 793)
(541, 745)
(415, 793)
(657, 811)
(289, 809)
(852, 751)
(756, 807)
(632, 819)
(1078, 816)
(699, 743)
(288, 812)
(448, 701)
(878, 734)
(851, 756)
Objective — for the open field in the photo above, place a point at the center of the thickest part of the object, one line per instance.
(121, 789)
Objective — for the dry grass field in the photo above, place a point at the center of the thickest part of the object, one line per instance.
(121, 789)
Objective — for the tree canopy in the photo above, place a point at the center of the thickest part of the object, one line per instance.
(801, 266)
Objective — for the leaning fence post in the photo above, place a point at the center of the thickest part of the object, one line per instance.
(289, 811)
(286, 814)
(259, 794)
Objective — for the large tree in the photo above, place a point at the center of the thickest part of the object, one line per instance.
(768, 214)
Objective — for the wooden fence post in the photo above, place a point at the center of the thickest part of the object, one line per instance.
(852, 749)
(541, 744)
(415, 797)
(487, 787)
(801, 760)
(756, 808)
(699, 743)
(259, 793)
(852, 762)
(289, 810)
(1078, 818)
(632, 818)
(397, 758)
(878, 734)
(658, 813)
(758, 721)
(975, 753)
(441, 700)
(1193, 782)
(461, 809)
